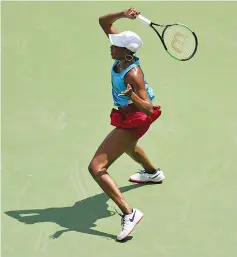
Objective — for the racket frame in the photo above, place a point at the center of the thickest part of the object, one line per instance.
(151, 24)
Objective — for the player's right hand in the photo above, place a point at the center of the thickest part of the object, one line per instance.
(131, 13)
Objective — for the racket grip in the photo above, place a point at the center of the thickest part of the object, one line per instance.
(143, 19)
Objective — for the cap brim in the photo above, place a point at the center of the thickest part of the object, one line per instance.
(115, 40)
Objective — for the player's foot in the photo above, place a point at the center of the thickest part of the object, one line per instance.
(128, 223)
(143, 177)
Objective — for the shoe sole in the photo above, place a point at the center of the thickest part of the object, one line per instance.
(148, 181)
(131, 230)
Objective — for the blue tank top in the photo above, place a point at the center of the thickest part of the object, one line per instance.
(118, 85)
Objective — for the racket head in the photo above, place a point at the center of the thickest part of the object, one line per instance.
(180, 41)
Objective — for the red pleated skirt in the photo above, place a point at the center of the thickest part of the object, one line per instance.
(133, 119)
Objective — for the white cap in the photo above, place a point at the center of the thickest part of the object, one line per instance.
(127, 39)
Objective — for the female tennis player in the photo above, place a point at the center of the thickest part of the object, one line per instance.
(132, 118)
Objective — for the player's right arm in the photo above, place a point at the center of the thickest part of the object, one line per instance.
(106, 21)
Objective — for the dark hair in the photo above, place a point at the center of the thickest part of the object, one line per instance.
(130, 52)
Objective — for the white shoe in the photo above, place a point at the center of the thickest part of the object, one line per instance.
(143, 177)
(128, 223)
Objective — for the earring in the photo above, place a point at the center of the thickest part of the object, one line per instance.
(128, 58)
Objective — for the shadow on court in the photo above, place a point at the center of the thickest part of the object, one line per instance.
(80, 217)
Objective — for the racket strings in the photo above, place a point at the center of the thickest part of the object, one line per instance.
(180, 41)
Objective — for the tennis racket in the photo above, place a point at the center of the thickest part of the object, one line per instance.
(178, 39)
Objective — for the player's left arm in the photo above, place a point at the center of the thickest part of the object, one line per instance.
(136, 90)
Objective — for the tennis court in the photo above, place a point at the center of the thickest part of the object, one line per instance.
(56, 101)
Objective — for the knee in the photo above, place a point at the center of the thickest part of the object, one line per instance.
(96, 170)
(135, 152)
(92, 169)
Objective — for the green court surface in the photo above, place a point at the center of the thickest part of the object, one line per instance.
(56, 101)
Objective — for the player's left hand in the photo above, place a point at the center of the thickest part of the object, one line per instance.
(127, 92)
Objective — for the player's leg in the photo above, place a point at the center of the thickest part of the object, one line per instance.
(139, 156)
(150, 173)
(114, 145)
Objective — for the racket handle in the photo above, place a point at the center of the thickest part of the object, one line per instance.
(143, 19)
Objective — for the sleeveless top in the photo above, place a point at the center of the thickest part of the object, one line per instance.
(118, 85)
